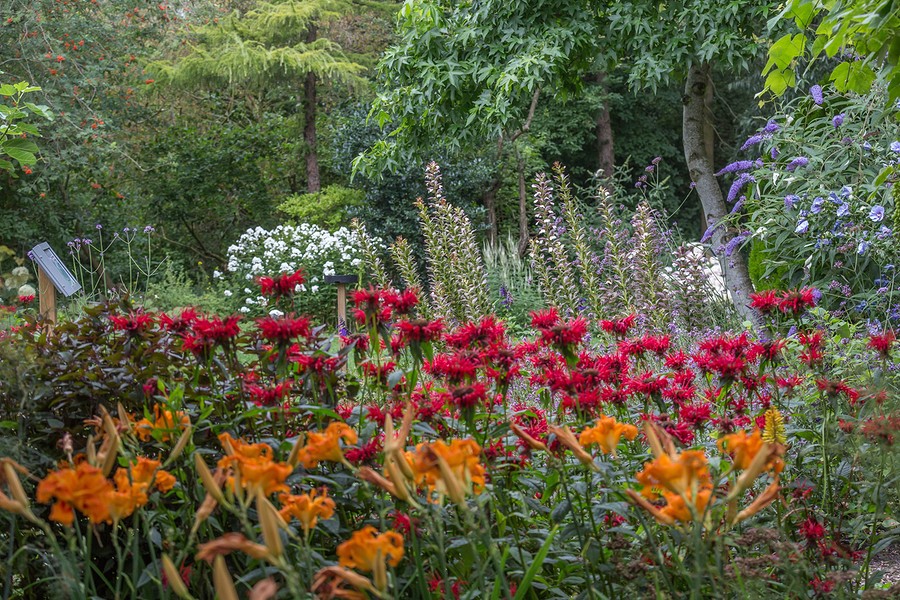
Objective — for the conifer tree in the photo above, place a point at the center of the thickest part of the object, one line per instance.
(273, 42)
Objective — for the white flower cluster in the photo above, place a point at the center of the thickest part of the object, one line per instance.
(285, 249)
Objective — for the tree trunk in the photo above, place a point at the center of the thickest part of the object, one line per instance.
(697, 123)
(490, 206)
(523, 205)
(606, 159)
(309, 128)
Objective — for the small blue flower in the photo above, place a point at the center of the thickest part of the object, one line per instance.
(863, 247)
(895, 147)
(846, 192)
(790, 200)
(817, 205)
(867, 146)
(876, 214)
(838, 120)
(843, 210)
(884, 232)
(771, 127)
(802, 226)
(773, 152)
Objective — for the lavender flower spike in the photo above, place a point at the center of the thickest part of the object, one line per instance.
(735, 242)
(754, 140)
(709, 233)
(736, 167)
(742, 180)
(816, 93)
(800, 161)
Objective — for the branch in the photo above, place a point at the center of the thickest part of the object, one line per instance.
(527, 124)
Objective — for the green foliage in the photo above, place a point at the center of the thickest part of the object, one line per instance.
(329, 208)
(862, 36)
(513, 288)
(174, 289)
(469, 72)
(268, 44)
(14, 145)
(207, 184)
(660, 40)
(85, 55)
(389, 209)
(763, 277)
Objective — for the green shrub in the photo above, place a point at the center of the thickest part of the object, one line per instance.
(328, 208)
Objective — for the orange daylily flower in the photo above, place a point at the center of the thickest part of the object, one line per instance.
(682, 473)
(367, 550)
(255, 466)
(606, 433)
(361, 551)
(307, 508)
(326, 447)
(133, 485)
(684, 482)
(743, 449)
(83, 487)
(450, 470)
(169, 423)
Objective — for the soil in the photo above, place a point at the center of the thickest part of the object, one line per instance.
(888, 562)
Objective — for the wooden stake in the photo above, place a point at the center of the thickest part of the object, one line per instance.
(342, 303)
(46, 297)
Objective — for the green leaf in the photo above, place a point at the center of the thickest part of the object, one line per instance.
(802, 13)
(535, 567)
(20, 144)
(778, 82)
(25, 158)
(7, 90)
(853, 76)
(787, 49)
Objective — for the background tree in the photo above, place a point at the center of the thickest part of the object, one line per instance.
(269, 44)
(466, 71)
(463, 73)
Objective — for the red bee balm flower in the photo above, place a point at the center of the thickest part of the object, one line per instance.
(419, 330)
(618, 327)
(134, 323)
(284, 329)
(882, 343)
(283, 285)
(796, 301)
(765, 302)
